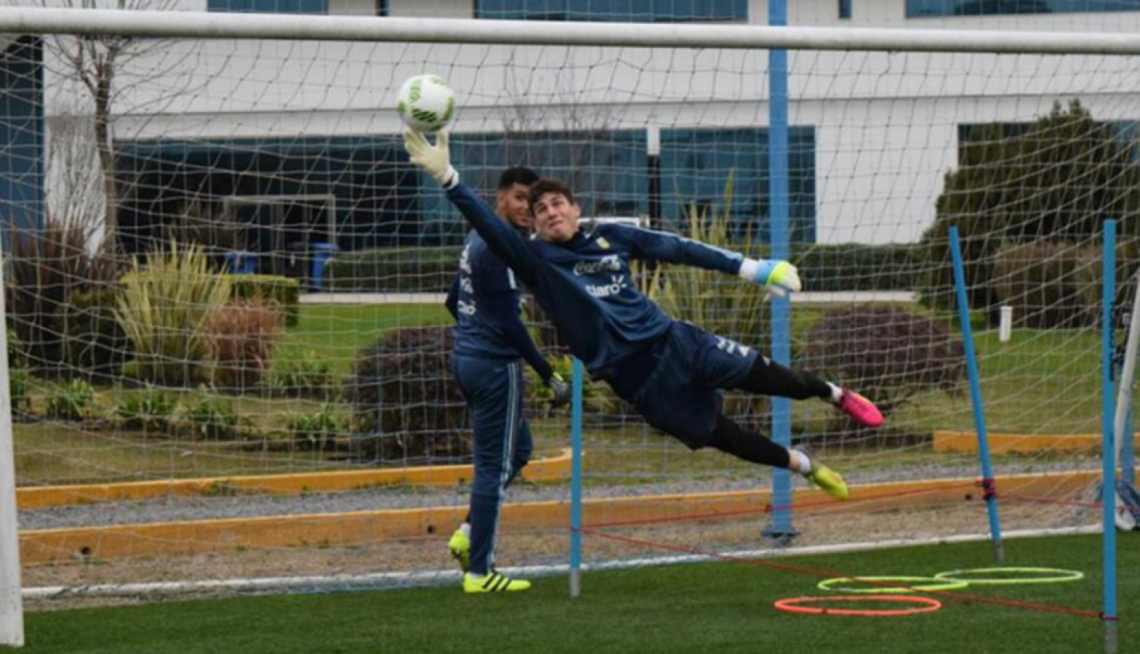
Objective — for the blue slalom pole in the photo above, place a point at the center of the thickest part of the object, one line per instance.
(989, 487)
(780, 523)
(576, 481)
(1108, 445)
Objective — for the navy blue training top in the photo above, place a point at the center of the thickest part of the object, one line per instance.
(585, 284)
(485, 301)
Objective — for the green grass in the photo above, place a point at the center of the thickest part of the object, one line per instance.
(719, 608)
(1040, 382)
(337, 332)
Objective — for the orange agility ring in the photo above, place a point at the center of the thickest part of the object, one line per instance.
(925, 605)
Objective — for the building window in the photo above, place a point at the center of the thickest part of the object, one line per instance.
(696, 165)
(616, 11)
(845, 9)
(269, 6)
(945, 8)
(286, 187)
(21, 136)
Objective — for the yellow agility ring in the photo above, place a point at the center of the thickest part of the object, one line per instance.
(879, 585)
(1044, 576)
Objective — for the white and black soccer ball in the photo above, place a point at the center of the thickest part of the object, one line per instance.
(426, 104)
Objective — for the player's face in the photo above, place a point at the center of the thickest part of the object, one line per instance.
(556, 218)
(511, 203)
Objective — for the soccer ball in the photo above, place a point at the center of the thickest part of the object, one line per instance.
(426, 104)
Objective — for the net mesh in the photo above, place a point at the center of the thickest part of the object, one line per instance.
(223, 270)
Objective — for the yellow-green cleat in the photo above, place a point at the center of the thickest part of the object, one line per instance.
(828, 480)
(460, 548)
(493, 583)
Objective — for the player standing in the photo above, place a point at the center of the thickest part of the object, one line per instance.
(489, 343)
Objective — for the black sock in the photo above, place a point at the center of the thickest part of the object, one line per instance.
(770, 378)
(751, 446)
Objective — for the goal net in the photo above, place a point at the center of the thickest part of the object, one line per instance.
(228, 350)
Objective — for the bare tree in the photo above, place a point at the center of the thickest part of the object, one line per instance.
(71, 166)
(107, 68)
(589, 126)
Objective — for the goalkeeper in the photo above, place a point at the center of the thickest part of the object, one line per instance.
(489, 341)
(670, 370)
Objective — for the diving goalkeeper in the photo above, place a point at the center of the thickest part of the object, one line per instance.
(670, 370)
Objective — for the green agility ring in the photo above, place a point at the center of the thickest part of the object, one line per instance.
(1049, 576)
(914, 584)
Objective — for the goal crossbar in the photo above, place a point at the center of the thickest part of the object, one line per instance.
(206, 25)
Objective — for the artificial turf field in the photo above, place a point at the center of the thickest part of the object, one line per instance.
(719, 607)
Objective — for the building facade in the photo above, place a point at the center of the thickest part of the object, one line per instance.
(298, 141)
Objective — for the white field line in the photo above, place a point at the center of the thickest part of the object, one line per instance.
(440, 577)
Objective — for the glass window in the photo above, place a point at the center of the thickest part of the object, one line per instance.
(616, 11)
(376, 191)
(696, 164)
(269, 6)
(21, 135)
(845, 9)
(939, 8)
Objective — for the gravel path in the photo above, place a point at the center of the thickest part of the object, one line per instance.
(179, 508)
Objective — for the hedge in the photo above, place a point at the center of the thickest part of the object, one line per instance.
(394, 270)
(845, 267)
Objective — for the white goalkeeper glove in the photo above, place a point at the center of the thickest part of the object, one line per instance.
(434, 160)
(779, 278)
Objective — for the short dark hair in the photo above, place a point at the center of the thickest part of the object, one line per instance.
(544, 186)
(517, 175)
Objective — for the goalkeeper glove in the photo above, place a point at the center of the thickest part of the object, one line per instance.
(779, 278)
(435, 160)
(560, 390)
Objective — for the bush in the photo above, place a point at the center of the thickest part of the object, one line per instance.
(242, 337)
(309, 376)
(19, 382)
(1049, 284)
(283, 294)
(405, 403)
(46, 271)
(887, 353)
(164, 310)
(1011, 190)
(73, 402)
(317, 430)
(96, 341)
(211, 417)
(394, 270)
(151, 411)
(597, 398)
(16, 358)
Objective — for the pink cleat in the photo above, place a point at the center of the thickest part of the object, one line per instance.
(861, 410)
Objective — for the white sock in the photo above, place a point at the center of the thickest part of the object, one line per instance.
(466, 529)
(836, 393)
(803, 463)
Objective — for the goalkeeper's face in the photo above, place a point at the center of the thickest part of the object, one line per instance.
(556, 218)
(511, 204)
